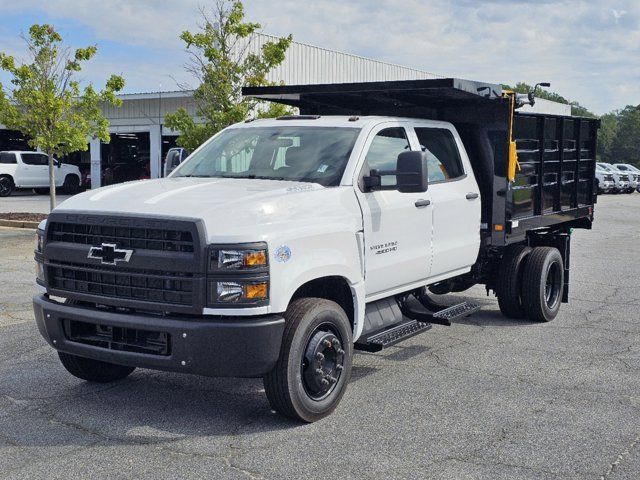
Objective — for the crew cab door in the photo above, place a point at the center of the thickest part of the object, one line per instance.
(35, 169)
(397, 226)
(455, 201)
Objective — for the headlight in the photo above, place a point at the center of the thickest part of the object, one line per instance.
(239, 258)
(39, 237)
(40, 271)
(240, 291)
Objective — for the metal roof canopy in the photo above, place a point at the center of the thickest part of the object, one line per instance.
(444, 98)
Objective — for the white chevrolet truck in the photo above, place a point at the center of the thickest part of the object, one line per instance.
(280, 246)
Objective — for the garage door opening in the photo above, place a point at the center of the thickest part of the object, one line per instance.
(125, 158)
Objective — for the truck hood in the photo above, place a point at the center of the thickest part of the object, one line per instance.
(231, 209)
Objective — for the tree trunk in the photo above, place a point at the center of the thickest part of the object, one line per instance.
(52, 182)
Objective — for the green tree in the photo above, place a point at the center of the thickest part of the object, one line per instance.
(45, 101)
(606, 135)
(576, 109)
(625, 147)
(222, 63)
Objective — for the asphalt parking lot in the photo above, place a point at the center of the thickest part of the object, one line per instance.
(485, 398)
(27, 201)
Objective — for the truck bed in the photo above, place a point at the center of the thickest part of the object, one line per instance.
(554, 187)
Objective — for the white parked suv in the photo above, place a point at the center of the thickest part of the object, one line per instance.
(31, 170)
(282, 245)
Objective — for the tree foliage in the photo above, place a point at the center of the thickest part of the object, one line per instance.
(221, 61)
(46, 102)
(625, 146)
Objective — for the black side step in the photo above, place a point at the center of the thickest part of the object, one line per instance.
(376, 341)
(443, 316)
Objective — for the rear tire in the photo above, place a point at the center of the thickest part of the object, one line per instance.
(509, 286)
(71, 184)
(314, 366)
(93, 370)
(6, 185)
(543, 284)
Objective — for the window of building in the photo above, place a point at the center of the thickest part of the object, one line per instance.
(443, 157)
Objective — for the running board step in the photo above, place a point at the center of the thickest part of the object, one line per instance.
(385, 338)
(444, 316)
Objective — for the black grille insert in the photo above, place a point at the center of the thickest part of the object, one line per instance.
(167, 240)
(118, 338)
(141, 285)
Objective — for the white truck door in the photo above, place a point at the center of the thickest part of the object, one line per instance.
(35, 169)
(455, 198)
(397, 226)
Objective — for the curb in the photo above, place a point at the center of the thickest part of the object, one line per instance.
(18, 224)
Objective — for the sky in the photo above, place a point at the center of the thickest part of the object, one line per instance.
(588, 50)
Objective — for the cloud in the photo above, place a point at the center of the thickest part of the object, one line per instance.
(589, 51)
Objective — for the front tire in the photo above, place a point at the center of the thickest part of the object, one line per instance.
(509, 285)
(314, 366)
(543, 284)
(93, 370)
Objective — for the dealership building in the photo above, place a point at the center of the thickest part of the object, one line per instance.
(139, 140)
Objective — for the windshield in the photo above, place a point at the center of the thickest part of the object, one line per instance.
(305, 154)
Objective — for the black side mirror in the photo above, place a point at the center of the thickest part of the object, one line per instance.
(412, 172)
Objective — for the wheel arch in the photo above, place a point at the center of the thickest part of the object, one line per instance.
(337, 289)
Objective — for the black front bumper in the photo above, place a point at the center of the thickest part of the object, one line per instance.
(216, 346)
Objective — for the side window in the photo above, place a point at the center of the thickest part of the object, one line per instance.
(384, 150)
(8, 158)
(443, 157)
(34, 159)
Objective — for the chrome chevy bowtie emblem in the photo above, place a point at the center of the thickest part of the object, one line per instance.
(109, 254)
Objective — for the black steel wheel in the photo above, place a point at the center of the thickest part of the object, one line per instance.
(314, 367)
(543, 284)
(509, 284)
(6, 185)
(93, 370)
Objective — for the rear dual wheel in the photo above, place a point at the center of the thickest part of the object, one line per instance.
(531, 283)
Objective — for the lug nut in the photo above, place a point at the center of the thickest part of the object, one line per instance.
(340, 351)
(336, 342)
(339, 367)
(327, 343)
(319, 356)
(324, 382)
(333, 379)
(319, 372)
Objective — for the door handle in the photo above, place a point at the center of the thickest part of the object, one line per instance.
(422, 203)
(472, 195)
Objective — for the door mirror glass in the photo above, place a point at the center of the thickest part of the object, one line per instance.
(411, 172)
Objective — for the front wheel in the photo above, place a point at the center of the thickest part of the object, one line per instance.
(314, 366)
(93, 370)
(543, 284)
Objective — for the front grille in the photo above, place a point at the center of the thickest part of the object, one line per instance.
(168, 240)
(624, 178)
(118, 338)
(140, 285)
